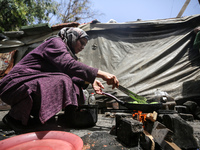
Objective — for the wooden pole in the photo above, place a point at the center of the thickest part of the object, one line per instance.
(183, 9)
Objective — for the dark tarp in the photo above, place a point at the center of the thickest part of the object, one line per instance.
(147, 55)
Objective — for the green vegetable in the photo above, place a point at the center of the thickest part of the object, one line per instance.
(133, 102)
(154, 103)
(140, 101)
(135, 97)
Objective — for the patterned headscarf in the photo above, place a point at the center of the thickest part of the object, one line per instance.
(70, 35)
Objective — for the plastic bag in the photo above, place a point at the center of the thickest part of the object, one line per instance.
(161, 96)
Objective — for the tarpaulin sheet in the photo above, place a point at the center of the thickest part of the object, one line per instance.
(147, 55)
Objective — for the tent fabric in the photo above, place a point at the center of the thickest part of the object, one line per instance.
(146, 56)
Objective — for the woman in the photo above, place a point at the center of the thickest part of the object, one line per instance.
(49, 78)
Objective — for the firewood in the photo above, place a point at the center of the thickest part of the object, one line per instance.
(152, 116)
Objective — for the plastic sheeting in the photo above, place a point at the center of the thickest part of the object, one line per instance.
(144, 55)
(147, 55)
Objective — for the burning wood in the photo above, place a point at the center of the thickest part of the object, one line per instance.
(140, 116)
(152, 116)
(140, 128)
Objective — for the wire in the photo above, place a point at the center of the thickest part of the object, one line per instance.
(171, 8)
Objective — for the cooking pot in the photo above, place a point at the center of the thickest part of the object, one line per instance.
(82, 117)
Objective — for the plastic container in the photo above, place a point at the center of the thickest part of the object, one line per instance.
(51, 140)
(86, 94)
(92, 99)
(167, 101)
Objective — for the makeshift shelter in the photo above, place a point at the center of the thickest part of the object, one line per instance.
(144, 55)
(148, 55)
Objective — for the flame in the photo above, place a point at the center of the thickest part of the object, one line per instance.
(140, 116)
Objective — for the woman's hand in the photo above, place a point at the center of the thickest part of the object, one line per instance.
(98, 86)
(109, 78)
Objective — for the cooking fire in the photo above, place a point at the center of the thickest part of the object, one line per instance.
(139, 116)
(162, 129)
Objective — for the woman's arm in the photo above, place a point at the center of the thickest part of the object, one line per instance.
(109, 78)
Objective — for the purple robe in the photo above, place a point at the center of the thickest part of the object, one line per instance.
(48, 71)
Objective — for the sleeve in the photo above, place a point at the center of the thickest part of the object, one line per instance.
(56, 53)
(80, 82)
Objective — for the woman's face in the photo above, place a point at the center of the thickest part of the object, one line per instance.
(80, 44)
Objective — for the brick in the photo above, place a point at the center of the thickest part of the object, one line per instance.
(187, 117)
(183, 132)
(128, 131)
(146, 141)
(161, 133)
(181, 109)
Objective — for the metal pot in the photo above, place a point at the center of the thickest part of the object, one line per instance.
(84, 116)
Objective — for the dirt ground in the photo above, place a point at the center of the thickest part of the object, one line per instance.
(94, 138)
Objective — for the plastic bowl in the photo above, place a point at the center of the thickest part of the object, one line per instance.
(43, 140)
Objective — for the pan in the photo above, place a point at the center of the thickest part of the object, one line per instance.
(146, 108)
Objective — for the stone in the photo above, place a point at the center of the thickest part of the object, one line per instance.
(159, 139)
(181, 109)
(191, 106)
(161, 133)
(128, 131)
(187, 117)
(147, 142)
(183, 133)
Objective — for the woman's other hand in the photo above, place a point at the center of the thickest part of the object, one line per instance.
(109, 78)
(98, 86)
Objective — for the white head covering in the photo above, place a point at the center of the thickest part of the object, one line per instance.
(70, 35)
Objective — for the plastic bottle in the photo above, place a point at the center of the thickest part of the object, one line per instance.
(86, 93)
(92, 99)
